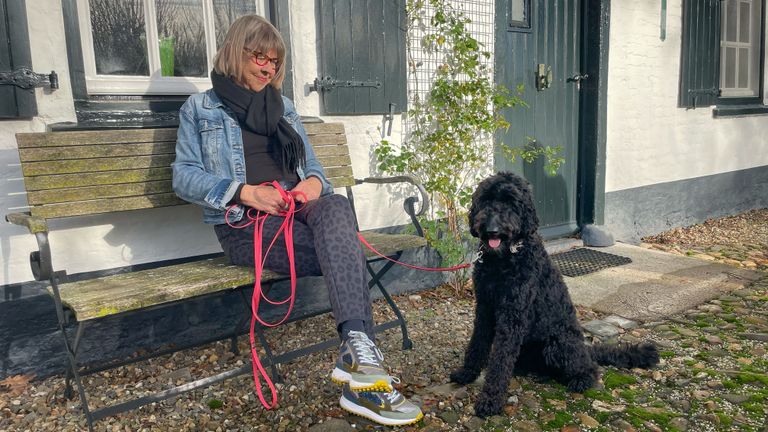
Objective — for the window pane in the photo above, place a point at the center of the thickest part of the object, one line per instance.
(744, 22)
(226, 12)
(119, 37)
(743, 68)
(732, 8)
(730, 67)
(181, 36)
(518, 11)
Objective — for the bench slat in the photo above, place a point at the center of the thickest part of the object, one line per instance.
(318, 141)
(334, 150)
(99, 164)
(345, 171)
(78, 138)
(124, 292)
(106, 205)
(97, 192)
(339, 182)
(324, 128)
(96, 151)
(97, 178)
(335, 161)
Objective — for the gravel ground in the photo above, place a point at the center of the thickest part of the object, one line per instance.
(713, 375)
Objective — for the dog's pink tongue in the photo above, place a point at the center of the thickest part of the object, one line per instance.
(494, 243)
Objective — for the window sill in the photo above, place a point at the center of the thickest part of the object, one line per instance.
(739, 110)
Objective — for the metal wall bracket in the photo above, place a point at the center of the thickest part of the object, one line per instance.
(330, 83)
(26, 79)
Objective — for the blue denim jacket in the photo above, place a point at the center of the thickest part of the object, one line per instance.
(210, 164)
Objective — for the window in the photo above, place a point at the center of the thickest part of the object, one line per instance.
(722, 53)
(154, 46)
(519, 15)
(740, 48)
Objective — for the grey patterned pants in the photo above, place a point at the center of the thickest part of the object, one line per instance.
(325, 243)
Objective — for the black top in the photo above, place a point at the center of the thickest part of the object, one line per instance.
(261, 155)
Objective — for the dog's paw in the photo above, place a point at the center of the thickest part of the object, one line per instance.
(487, 406)
(580, 384)
(464, 376)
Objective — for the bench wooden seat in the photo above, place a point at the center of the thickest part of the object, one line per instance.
(77, 173)
(110, 295)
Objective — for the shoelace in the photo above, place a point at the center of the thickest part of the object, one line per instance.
(364, 348)
(392, 396)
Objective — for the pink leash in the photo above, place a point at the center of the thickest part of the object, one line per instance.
(287, 229)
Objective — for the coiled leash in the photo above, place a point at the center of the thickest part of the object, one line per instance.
(286, 228)
(257, 219)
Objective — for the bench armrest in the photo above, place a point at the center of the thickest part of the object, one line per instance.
(39, 260)
(408, 204)
(34, 224)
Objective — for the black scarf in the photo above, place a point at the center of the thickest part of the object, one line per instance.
(262, 113)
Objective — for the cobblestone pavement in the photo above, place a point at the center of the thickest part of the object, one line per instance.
(713, 376)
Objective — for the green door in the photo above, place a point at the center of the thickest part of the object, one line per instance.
(540, 40)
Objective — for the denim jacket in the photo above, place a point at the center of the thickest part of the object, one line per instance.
(210, 164)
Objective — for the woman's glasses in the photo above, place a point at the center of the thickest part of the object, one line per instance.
(262, 59)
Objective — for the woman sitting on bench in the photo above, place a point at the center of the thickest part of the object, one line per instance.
(243, 133)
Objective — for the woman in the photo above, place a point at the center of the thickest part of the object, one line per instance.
(243, 133)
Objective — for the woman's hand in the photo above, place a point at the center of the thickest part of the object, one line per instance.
(311, 187)
(263, 198)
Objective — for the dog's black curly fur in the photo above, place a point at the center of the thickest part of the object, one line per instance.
(523, 308)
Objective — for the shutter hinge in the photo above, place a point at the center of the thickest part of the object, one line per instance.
(25, 78)
(330, 83)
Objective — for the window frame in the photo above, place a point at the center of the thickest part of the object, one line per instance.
(747, 100)
(155, 83)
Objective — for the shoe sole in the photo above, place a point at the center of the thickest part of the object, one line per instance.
(341, 377)
(361, 411)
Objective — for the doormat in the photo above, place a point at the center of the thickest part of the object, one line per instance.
(579, 262)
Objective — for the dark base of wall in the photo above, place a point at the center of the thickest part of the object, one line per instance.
(634, 213)
(31, 344)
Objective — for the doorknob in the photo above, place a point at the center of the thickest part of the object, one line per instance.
(578, 78)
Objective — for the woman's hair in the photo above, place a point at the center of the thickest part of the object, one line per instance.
(249, 33)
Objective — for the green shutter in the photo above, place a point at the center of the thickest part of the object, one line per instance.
(700, 54)
(15, 102)
(363, 41)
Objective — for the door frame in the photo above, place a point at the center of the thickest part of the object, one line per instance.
(590, 176)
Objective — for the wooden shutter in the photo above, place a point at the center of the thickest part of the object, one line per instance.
(15, 102)
(700, 54)
(363, 41)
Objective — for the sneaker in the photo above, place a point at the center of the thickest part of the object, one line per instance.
(360, 365)
(387, 408)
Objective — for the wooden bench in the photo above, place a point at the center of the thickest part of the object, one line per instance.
(77, 173)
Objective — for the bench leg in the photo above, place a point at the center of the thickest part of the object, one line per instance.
(376, 280)
(72, 372)
(75, 348)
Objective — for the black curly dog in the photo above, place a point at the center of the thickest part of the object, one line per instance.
(523, 308)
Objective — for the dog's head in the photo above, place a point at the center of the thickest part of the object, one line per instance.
(502, 212)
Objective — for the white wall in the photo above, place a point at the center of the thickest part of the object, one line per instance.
(650, 139)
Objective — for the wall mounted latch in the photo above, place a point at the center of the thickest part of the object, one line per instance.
(543, 77)
(25, 78)
(330, 83)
